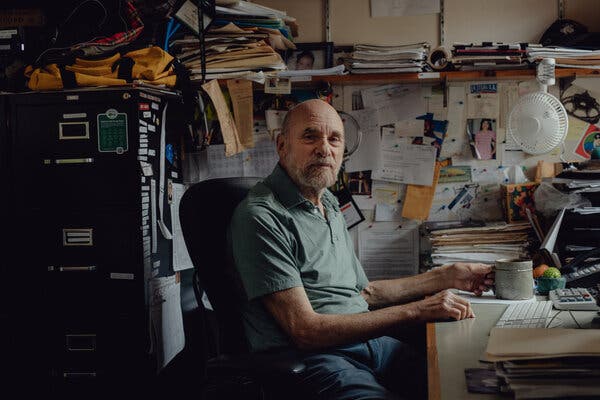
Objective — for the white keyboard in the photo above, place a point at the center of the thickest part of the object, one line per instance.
(573, 299)
(531, 314)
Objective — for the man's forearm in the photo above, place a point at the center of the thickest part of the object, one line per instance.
(402, 290)
(326, 330)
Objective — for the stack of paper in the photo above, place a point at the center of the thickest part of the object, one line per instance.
(368, 58)
(565, 56)
(488, 243)
(243, 41)
(469, 56)
(537, 363)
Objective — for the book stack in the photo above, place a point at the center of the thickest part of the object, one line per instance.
(242, 42)
(538, 363)
(372, 59)
(487, 243)
(488, 55)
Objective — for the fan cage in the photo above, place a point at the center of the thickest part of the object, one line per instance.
(545, 108)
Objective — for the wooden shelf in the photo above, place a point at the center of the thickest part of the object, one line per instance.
(445, 76)
(449, 76)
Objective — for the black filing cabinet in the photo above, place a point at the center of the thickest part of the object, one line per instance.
(92, 172)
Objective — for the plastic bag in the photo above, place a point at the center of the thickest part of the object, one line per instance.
(549, 200)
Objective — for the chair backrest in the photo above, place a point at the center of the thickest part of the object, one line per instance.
(205, 212)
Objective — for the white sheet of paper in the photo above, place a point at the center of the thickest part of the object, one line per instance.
(364, 202)
(166, 319)
(386, 212)
(368, 156)
(398, 8)
(394, 102)
(405, 163)
(258, 161)
(181, 257)
(274, 120)
(220, 166)
(481, 105)
(154, 217)
(409, 127)
(590, 84)
(389, 251)
(456, 137)
(261, 159)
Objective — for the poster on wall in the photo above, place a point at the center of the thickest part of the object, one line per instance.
(590, 140)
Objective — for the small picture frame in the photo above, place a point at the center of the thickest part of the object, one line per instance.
(310, 56)
(278, 85)
(341, 54)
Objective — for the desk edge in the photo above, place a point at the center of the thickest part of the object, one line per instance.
(433, 372)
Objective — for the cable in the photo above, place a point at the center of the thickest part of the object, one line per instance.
(572, 316)
(552, 319)
(79, 6)
(55, 38)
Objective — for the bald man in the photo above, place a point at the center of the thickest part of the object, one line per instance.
(306, 288)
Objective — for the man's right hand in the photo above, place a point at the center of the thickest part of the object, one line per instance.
(441, 306)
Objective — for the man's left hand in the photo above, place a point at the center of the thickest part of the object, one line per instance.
(472, 277)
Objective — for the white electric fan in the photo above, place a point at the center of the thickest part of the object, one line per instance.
(538, 122)
(352, 133)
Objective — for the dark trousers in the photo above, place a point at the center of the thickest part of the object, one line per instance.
(382, 368)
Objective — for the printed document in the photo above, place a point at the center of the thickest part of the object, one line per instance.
(405, 163)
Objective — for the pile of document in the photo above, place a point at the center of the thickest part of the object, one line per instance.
(242, 42)
(538, 363)
(368, 59)
(584, 180)
(565, 56)
(486, 243)
(469, 56)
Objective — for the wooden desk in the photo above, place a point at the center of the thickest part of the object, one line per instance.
(454, 346)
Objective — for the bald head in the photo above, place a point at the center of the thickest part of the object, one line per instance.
(311, 146)
(314, 111)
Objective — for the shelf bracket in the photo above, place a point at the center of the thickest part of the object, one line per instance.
(561, 9)
(201, 39)
(326, 12)
(442, 32)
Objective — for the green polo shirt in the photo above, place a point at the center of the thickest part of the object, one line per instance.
(280, 240)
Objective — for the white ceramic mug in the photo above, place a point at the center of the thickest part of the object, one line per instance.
(513, 279)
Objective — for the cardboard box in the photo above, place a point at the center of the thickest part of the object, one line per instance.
(517, 197)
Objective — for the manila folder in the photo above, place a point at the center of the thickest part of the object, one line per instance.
(513, 343)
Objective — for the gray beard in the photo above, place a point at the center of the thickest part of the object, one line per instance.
(313, 178)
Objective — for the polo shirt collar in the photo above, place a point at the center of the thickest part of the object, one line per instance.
(288, 194)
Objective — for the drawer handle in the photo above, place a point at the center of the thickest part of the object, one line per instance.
(61, 161)
(78, 236)
(83, 268)
(76, 375)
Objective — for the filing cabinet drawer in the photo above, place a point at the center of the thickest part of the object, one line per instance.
(115, 343)
(106, 242)
(66, 156)
(93, 262)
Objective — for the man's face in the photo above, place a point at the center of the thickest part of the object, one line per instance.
(304, 63)
(313, 148)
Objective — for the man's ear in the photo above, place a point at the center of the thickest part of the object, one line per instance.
(280, 140)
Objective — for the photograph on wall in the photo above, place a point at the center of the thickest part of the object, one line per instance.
(359, 183)
(482, 138)
(309, 56)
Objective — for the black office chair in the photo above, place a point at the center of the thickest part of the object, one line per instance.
(231, 370)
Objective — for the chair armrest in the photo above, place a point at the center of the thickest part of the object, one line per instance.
(280, 364)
